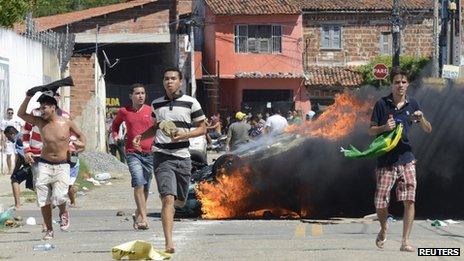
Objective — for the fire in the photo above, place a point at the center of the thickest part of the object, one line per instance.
(227, 197)
(230, 196)
(338, 120)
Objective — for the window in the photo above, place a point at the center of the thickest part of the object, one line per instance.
(385, 43)
(331, 37)
(258, 39)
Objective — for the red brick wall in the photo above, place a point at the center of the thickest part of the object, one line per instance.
(184, 6)
(82, 69)
(361, 36)
(150, 18)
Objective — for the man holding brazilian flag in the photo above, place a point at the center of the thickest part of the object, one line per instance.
(391, 120)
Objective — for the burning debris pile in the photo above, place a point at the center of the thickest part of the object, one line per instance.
(302, 173)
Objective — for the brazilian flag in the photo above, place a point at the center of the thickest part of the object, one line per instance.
(381, 145)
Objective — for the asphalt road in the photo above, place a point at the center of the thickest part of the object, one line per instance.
(95, 229)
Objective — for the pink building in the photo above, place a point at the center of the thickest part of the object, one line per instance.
(252, 56)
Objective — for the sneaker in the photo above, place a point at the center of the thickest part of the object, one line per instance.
(65, 220)
(48, 235)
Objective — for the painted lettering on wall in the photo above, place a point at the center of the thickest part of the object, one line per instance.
(113, 102)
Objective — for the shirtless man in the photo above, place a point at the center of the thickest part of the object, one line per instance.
(51, 170)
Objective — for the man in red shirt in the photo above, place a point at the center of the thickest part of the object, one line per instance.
(139, 160)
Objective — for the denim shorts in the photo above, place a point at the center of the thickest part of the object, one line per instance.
(141, 169)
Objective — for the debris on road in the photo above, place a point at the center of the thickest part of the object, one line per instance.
(120, 213)
(138, 249)
(103, 176)
(43, 247)
(437, 223)
(31, 221)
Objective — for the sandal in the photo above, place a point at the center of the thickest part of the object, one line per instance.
(170, 250)
(134, 219)
(142, 225)
(407, 248)
(379, 242)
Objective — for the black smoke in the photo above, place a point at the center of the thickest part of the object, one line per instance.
(315, 176)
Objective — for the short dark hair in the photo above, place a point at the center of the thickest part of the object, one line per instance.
(9, 109)
(136, 85)
(10, 130)
(398, 71)
(173, 69)
(47, 100)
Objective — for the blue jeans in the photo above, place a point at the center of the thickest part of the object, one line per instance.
(141, 169)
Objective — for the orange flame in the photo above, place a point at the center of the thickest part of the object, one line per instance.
(338, 120)
(229, 196)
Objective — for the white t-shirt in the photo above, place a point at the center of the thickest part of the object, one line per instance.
(15, 122)
(276, 124)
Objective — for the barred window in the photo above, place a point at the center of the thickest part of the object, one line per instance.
(258, 39)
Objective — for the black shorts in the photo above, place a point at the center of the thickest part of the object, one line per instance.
(23, 174)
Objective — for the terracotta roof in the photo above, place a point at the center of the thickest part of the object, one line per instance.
(252, 7)
(54, 21)
(259, 75)
(336, 76)
(355, 5)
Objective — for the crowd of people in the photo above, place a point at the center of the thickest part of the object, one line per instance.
(154, 141)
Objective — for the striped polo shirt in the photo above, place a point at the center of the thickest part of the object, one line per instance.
(183, 110)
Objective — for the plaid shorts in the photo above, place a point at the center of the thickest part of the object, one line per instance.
(386, 178)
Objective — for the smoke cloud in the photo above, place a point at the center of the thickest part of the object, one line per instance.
(317, 178)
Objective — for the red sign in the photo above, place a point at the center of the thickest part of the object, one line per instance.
(380, 71)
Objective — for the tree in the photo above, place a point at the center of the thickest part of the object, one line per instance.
(12, 11)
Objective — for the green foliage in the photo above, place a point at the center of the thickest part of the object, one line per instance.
(413, 65)
(12, 11)
(51, 7)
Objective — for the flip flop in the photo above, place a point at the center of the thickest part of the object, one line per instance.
(407, 248)
(380, 243)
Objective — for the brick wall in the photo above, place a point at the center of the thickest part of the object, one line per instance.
(361, 37)
(184, 6)
(150, 18)
(82, 69)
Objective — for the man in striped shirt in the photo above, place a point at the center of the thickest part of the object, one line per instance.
(175, 114)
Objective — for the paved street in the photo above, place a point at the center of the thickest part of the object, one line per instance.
(95, 229)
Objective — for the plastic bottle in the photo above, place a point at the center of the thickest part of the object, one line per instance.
(7, 214)
(44, 247)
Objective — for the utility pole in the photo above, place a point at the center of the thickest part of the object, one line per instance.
(435, 48)
(396, 33)
(192, 59)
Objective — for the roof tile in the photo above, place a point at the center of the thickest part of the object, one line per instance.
(325, 76)
(54, 21)
(252, 7)
(357, 5)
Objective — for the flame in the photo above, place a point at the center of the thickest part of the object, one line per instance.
(230, 195)
(338, 120)
(227, 197)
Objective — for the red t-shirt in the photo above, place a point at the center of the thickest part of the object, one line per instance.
(137, 122)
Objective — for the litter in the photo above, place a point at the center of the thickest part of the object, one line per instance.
(43, 247)
(7, 214)
(138, 249)
(85, 188)
(120, 213)
(103, 176)
(31, 221)
(109, 183)
(94, 182)
(437, 223)
(451, 222)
